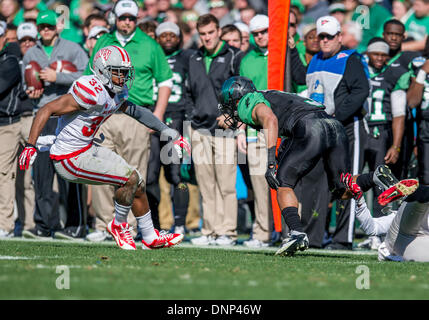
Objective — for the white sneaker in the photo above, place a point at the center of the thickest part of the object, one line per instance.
(255, 243)
(4, 234)
(203, 241)
(179, 229)
(97, 236)
(225, 241)
(372, 243)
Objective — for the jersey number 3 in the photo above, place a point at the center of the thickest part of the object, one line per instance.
(89, 131)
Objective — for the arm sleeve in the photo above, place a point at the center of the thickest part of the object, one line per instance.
(145, 117)
(11, 73)
(373, 226)
(80, 61)
(298, 70)
(358, 89)
(399, 102)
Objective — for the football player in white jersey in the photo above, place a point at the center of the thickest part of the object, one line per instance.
(91, 100)
(406, 231)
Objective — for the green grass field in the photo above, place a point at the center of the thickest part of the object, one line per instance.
(103, 271)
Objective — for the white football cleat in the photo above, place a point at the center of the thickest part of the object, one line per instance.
(122, 235)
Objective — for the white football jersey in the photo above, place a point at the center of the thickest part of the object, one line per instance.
(76, 131)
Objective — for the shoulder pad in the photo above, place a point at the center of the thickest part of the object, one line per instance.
(88, 92)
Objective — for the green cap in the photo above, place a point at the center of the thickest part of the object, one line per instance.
(47, 17)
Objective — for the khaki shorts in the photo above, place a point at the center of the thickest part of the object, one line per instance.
(97, 165)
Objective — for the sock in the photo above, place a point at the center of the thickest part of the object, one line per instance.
(290, 214)
(121, 213)
(145, 227)
(180, 204)
(365, 181)
(420, 195)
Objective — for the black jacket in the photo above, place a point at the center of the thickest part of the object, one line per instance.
(204, 88)
(10, 84)
(351, 92)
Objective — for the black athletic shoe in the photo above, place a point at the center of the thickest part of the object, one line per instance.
(71, 233)
(292, 244)
(339, 246)
(384, 178)
(36, 234)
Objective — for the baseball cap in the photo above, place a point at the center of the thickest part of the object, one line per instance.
(126, 7)
(329, 25)
(95, 30)
(167, 27)
(47, 17)
(337, 7)
(216, 4)
(258, 22)
(242, 27)
(307, 28)
(26, 29)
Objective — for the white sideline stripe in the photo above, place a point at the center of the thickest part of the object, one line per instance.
(14, 258)
(189, 245)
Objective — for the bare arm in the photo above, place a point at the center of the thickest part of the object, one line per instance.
(398, 125)
(264, 116)
(63, 105)
(415, 92)
(162, 102)
(418, 45)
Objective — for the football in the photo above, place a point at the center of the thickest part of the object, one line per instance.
(63, 66)
(31, 75)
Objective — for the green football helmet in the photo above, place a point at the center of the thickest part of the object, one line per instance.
(232, 91)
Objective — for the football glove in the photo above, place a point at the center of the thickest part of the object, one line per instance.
(351, 186)
(181, 143)
(270, 176)
(27, 157)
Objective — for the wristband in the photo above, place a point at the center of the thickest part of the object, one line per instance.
(421, 77)
(30, 145)
(272, 156)
(396, 148)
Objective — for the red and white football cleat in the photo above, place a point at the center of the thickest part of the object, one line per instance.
(400, 190)
(122, 235)
(164, 240)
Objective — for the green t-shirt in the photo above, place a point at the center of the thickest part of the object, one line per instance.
(208, 58)
(417, 28)
(255, 67)
(19, 18)
(148, 60)
(48, 50)
(247, 104)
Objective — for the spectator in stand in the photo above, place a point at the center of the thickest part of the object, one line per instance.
(10, 114)
(27, 36)
(9, 9)
(163, 8)
(200, 6)
(350, 6)
(187, 38)
(245, 36)
(220, 10)
(231, 35)
(417, 25)
(47, 50)
(314, 9)
(151, 9)
(401, 10)
(351, 34)
(246, 14)
(338, 10)
(238, 5)
(94, 20)
(94, 34)
(33, 7)
(11, 33)
(149, 28)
